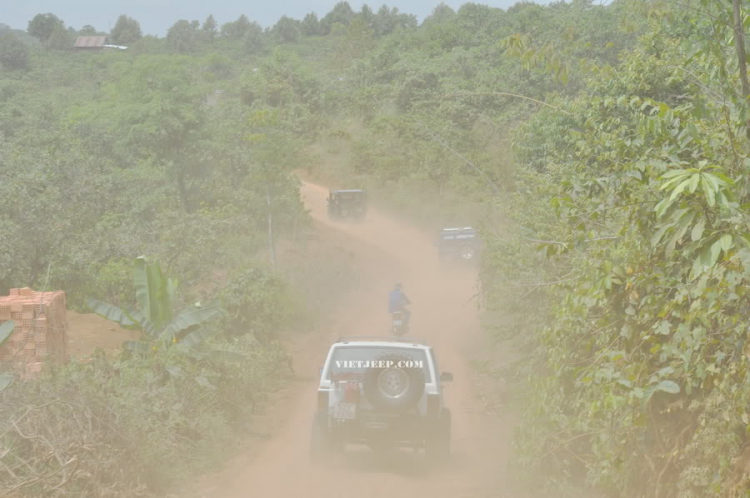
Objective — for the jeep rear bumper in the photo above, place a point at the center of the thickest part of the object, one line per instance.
(388, 429)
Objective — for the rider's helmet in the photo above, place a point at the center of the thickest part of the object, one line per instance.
(398, 286)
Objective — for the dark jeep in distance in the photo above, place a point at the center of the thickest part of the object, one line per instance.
(347, 204)
(458, 244)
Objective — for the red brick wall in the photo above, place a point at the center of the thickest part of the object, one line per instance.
(40, 329)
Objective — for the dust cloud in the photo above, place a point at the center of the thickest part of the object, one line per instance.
(445, 314)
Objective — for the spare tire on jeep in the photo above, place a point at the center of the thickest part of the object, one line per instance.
(394, 388)
(467, 252)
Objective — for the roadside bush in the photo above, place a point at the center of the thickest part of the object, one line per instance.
(133, 426)
(113, 281)
(637, 385)
(257, 302)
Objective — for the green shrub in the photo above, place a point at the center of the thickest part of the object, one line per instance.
(113, 281)
(257, 302)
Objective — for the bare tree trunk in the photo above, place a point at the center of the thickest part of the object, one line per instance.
(739, 44)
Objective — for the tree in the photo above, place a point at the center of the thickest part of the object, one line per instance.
(60, 39)
(342, 13)
(43, 25)
(210, 28)
(403, 21)
(383, 21)
(441, 13)
(287, 30)
(256, 302)
(75, 196)
(311, 25)
(255, 38)
(387, 20)
(88, 30)
(367, 15)
(14, 54)
(356, 42)
(155, 105)
(126, 31)
(184, 36)
(236, 30)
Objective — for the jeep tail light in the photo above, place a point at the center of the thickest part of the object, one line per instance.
(322, 401)
(351, 392)
(433, 405)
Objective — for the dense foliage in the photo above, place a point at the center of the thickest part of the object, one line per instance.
(603, 149)
(130, 155)
(183, 151)
(636, 189)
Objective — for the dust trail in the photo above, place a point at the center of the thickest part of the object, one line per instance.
(387, 251)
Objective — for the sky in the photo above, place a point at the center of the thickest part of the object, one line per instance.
(156, 16)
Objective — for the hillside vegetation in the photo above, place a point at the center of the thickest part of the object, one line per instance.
(603, 150)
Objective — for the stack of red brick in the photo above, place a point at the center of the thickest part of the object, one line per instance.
(39, 334)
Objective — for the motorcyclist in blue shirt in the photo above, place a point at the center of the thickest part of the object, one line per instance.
(397, 301)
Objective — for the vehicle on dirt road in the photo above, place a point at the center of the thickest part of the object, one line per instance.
(347, 204)
(397, 307)
(384, 393)
(458, 244)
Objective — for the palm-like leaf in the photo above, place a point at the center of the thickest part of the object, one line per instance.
(196, 337)
(140, 281)
(113, 313)
(145, 324)
(188, 319)
(154, 292)
(6, 329)
(161, 305)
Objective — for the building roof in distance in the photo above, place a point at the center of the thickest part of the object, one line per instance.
(90, 41)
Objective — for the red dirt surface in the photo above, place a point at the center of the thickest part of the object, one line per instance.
(443, 313)
(87, 332)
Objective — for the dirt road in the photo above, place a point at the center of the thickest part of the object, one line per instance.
(444, 313)
(87, 332)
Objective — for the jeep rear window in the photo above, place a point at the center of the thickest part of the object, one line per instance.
(361, 354)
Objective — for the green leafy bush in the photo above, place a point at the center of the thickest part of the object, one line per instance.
(258, 303)
(639, 378)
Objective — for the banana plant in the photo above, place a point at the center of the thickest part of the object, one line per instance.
(154, 316)
(154, 292)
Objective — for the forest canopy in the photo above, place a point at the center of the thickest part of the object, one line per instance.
(605, 145)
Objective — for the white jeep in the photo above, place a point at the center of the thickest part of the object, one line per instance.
(384, 393)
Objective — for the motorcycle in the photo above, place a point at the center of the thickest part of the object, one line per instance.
(398, 327)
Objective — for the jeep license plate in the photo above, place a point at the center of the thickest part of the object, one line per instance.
(344, 411)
